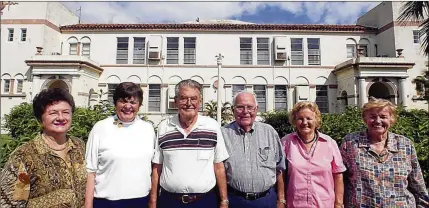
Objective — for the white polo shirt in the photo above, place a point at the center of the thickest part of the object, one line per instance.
(121, 158)
(188, 159)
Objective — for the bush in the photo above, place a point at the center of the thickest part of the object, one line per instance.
(23, 126)
(414, 124)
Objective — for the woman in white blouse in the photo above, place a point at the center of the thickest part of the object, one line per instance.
(118, 154)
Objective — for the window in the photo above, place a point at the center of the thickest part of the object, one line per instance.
(280, 97)
(19, 85)
(245, 51)
(86, 49)
(110, 90)
(10, 35)
(416, 36)
(236, 89)
(23, 34)
(365, 50)
(351, 51)
(263, 51)
(139, 50)
(322, 98)
(73, 49)
(122, 51)
(313, 51)
(189, 51)
(261, 97)
(297, 54)
(172, 50)
(6, 86)
(154, 104)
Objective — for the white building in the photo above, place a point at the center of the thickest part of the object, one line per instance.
(334, 65)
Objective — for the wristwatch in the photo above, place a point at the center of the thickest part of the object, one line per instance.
(225, 201)
(283, 201)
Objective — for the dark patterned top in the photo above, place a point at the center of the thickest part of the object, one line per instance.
(395, 181)
(35, 176)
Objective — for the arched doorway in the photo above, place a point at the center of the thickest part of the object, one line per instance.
(58, 84)
(381, 90)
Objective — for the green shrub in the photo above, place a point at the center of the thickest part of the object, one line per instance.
(414, 124)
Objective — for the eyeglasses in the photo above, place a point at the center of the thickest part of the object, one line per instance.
(241, 108)
(184, 100)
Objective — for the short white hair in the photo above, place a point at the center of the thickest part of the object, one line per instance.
(244, 92)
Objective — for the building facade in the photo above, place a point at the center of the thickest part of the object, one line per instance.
(332, 65)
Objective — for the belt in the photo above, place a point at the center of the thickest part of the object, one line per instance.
(248, 195)
(185, 198)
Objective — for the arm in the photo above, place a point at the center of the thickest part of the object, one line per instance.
(416, 183)
(89, 192)
(221, 180)
(338, 189)
(14, 183)
(280, 188)
(156, 173)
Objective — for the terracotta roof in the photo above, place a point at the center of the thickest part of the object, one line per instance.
(220, 27)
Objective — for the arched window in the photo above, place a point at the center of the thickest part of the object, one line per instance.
(351, 48)
(19, 83)
(364, 44)
(73, 46)
(6, 79)
(86, 46)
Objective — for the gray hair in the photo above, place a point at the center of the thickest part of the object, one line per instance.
(187, 83)
(243, 92)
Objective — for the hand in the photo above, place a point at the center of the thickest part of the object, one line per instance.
(280, 205)
(223, 206)
(338, 206)
(152, 204)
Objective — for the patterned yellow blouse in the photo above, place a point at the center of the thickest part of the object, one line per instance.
(35, 176)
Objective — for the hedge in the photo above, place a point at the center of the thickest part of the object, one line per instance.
(414, 124)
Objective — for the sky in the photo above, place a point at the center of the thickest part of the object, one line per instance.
(255, 12)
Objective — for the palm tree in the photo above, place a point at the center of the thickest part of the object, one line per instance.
(417, 11)
(210, 109)
(422, 85)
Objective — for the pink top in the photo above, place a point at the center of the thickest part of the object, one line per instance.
(309, 175)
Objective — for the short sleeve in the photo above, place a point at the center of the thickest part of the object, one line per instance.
(280, 156)
(221, 153)
(158, 157)
(337, 163)
(14, 182)
(91, 154)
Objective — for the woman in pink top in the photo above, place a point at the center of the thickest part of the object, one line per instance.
(314, 163)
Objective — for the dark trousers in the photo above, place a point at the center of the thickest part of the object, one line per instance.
(268, 201)
(122, 203)
(208, 200)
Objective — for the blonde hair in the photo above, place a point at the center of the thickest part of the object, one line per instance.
(303, 105)
(378, 103)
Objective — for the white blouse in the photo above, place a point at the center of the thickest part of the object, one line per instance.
(120, 156)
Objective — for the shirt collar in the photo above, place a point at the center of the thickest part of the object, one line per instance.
(318, 134)
(392, 141)
(43, 148)
(175, 122)
(241, 130)
(119, 123)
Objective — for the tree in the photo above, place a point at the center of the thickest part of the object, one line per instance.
(418, 11)
(422, 85)
(210, 109)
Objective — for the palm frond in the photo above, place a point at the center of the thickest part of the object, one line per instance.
(414, 10)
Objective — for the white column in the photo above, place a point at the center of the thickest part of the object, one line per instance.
(290, 97)
(35, 86)
(403, 92)
(362, 92)
(270, 97)
(75, 89)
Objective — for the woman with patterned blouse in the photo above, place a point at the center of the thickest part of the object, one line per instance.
(382, 167)
(314, 165)
(48, 171)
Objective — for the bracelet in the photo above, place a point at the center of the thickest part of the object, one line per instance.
(225, 201)
(283, 201)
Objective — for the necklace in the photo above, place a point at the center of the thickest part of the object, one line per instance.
(49, 146)
(307, 142)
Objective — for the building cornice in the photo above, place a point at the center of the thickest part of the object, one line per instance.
(31, 22)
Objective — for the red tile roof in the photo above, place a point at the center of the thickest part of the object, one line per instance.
(220, 27)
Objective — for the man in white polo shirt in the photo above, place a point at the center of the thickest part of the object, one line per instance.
(189, 155)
